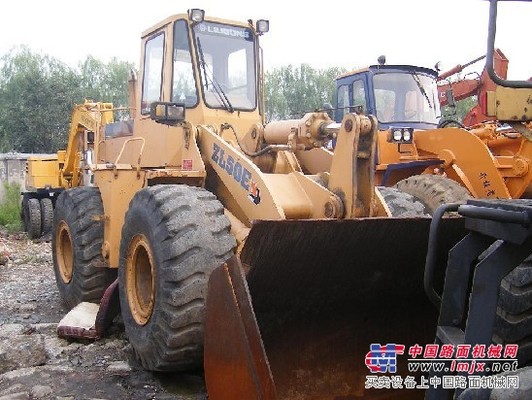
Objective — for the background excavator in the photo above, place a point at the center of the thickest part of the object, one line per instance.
(452, 91)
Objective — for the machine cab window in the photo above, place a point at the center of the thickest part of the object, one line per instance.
(342, 102)
(406, 97)
(385, 104)
(153, 71)
(226, 58)
(351, 98)
(359, 96)
(183, 83)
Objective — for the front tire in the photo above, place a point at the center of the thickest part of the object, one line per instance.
(401, 204)
(173, 237)
(77, 238)
(434, 190)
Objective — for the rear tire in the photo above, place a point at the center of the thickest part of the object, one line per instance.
(32, 218)
(401, 204)
(77, 239)
(47, 215)
(173, 237)
(434, 190)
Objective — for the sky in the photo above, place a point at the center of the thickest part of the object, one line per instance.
(323, 34)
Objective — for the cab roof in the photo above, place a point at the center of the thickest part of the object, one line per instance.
(208, 18)
(390, 68)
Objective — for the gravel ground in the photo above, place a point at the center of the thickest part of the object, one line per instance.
(36, 364)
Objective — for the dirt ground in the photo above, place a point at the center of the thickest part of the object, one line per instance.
(36, 364)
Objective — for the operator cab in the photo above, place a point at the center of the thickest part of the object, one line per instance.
(214, 65)
(398, 95)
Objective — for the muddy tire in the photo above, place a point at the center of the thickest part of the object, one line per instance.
(32, 218)
(173, 237)
(401, 204)
(514, 313)
(434, 190)
(77, 237)
(47, 215)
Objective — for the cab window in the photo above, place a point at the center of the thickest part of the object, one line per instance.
(153, 71)
(183, 83)
(385, 104)
(342, 101)
(226, 56)
(359, 96)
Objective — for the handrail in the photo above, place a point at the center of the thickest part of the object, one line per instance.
(492, 27)
(124, 146)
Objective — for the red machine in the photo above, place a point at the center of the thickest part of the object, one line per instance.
(473, 87)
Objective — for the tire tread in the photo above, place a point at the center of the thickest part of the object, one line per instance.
(190, 238)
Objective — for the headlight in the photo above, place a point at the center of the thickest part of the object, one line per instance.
(196, 15)
(400, 135)
(407, 135)
(397, 135)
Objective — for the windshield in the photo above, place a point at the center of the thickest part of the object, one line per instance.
(227, 65)
(406, 97)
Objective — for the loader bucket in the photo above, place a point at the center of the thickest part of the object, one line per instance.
(295, 316)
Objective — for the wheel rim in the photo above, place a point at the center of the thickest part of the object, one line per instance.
(65, 253)
(140, 282)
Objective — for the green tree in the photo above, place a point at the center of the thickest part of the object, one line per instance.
(38, 92)
(293, 91)
(36, 97)
(105, 82)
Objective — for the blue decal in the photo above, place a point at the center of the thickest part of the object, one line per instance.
(228, 164)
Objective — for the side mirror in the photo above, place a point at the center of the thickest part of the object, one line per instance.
(167, 113)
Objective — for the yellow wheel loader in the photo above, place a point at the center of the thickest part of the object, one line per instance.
(312, 264)
(247, 248)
